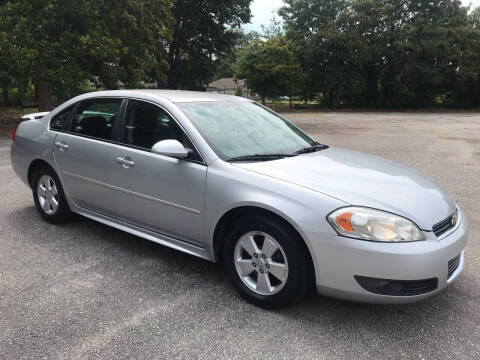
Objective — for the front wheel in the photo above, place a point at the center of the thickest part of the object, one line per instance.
(267, 262)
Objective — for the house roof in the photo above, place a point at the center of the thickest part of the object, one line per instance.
(227, 84)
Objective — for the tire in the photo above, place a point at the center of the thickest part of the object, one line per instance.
(285, 285)
(49, 197)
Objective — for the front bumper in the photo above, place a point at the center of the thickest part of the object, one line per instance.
(338, 260)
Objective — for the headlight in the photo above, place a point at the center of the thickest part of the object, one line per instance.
(374, 225)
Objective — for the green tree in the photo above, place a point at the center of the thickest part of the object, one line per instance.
(323, 50)
(270, 68)
(203, 34)
(364, 27)
(8, 68)
(433, 48)
(63, 42)
(468, 75)
(132, 36)
(384, 52)
(224, 65)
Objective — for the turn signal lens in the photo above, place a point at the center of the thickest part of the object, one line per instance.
(374, 225)
(345, 221)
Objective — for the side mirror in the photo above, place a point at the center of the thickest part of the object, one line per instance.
(170, 148)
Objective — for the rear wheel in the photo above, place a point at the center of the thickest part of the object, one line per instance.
(49, 197)
(267, 262)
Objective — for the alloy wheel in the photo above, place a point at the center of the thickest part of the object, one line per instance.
(261, 263)
(47, 193)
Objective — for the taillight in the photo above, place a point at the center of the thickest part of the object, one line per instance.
(14, 135)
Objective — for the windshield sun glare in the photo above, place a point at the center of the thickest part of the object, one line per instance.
(242, 128)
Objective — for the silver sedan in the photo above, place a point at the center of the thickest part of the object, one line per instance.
(228, 180)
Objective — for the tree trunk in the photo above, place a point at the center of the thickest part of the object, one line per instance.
(387, 87)
(263, 100)
(35, 87)
(173, 57)
(6, 98)
(476, 93)
(325, 98)
(290, 103)
(371, 85)
(172, 75)
(43, 89)
(420, 97)
(333, 97)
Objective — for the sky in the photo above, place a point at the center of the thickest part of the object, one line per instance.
(263, 10)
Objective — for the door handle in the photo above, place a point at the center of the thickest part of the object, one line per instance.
(126, 162)
(61, 146)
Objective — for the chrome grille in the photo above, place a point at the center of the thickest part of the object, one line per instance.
(444, 225)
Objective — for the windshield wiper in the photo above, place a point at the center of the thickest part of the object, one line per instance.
(314, 148)
(260, 157)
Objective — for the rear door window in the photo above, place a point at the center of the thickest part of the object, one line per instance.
(60, 121)
(96, 118)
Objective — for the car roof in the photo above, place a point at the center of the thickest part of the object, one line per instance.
(176, 96)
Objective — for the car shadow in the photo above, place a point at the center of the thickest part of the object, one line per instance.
(95, 239)
(91, 236)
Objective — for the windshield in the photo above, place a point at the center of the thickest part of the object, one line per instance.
(236, 129)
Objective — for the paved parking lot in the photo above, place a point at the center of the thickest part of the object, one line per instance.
(84, 290)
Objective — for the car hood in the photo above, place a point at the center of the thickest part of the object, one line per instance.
(364, 180)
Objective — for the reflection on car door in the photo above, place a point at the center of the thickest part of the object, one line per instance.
(83, 154)
(156, 192)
